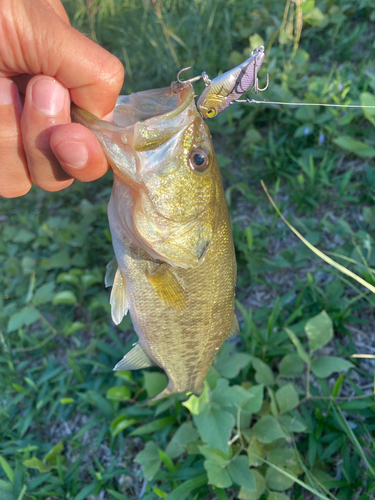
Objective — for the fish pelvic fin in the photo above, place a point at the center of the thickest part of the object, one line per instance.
(134, 360)
(234, 327)
(110, 272)
(168, 288)
(119, 298)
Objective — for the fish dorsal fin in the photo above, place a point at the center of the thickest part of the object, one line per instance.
(119, 298)
(110, 272)
(234, 327)
(134, 360)
(168, 288)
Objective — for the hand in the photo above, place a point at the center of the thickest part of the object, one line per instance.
(44, 64)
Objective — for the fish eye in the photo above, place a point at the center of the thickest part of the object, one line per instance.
(198, 160)
(211, 113)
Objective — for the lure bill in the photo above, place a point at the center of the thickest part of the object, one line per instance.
(229, 87)
(174, 268)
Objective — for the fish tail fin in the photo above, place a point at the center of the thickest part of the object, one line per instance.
(167, 392)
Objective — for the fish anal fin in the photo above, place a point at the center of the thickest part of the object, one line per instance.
(234, 327)
(135, 359)
(110, 272)
(119, 298)
(167, 287)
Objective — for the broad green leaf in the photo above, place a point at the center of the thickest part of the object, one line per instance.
(260, 486)
(122, 425)
(277, 480)
(228, 396)
(255, 41)
(150, 459)
(291, 424)
(74, 327)
(196, 404)
(27, 316)
(254, 404)
(185, 434)
(240, 473)
(212, 453)
(215, 427)
(368, 99)
(5, 487)
(286, 460)
(35, 463)
(24, 236)
(43, 294)
(319, 331)
(357, 147)
(66, 297)
(267, 430)
(154, 383)
(287, 398)
(217, 474)
(7, 469)
(118, 394)
(264, 374)
(315, 17)
(291, 366)
(324, 366)
(230, 366)
(254, 451)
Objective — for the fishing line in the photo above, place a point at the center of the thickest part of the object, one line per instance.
(251, 101)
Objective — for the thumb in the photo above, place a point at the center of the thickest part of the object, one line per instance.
(37, 41)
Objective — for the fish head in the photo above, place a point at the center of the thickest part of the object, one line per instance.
(166, 177)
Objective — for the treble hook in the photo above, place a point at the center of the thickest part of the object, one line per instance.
(204, 75)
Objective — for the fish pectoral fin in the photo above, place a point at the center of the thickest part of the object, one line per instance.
(234, 327)
(134, 360)
(110, 272)
(119, 298)
(168, 288)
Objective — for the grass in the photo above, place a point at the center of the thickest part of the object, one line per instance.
(286, 411)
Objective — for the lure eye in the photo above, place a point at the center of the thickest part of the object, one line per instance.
(198, 160)
(211, 113)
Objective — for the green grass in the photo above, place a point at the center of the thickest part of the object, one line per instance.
(286, 412)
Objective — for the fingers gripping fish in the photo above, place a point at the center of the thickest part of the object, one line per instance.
(174, 268)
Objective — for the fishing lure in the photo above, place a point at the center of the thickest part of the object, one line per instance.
(229, 87)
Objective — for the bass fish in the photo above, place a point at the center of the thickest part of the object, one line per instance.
(174, 268)
(228, 87)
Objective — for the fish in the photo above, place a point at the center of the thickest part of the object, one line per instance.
(174, 268)
(228, 87)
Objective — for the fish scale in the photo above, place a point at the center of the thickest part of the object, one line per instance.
(171, 233)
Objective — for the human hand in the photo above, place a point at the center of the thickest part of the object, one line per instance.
(44, 64)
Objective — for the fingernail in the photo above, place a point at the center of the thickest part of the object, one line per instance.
(48, 96)
(6, 92)
(72, 153)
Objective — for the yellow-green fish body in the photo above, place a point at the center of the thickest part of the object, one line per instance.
(175, 267)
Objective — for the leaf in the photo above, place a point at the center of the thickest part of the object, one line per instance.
(291, 366)
(264, 374)
(215, 426)
(229, 396)
(118, 394)
(154, 426)
(297, 344)
(260, 486)
(86, 491)
(240, 473)
(150, 459)
(154, 383)
(254, 404)
(267, 430)
(277, 496)
(120, 424)
(43, 294)
(24, 236)
(215, 465)
(287, 398)
(319, 331)
(277, 480)
(66, 297)
(357, 147)
(187, 487)
(288, 469)
(315, 17)
(7, 469)
(52, 455)
(368, 99)
(185, 434)
(230, 366)
(27, 316)
(324, 366)
(196, 404)
(35, 463)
